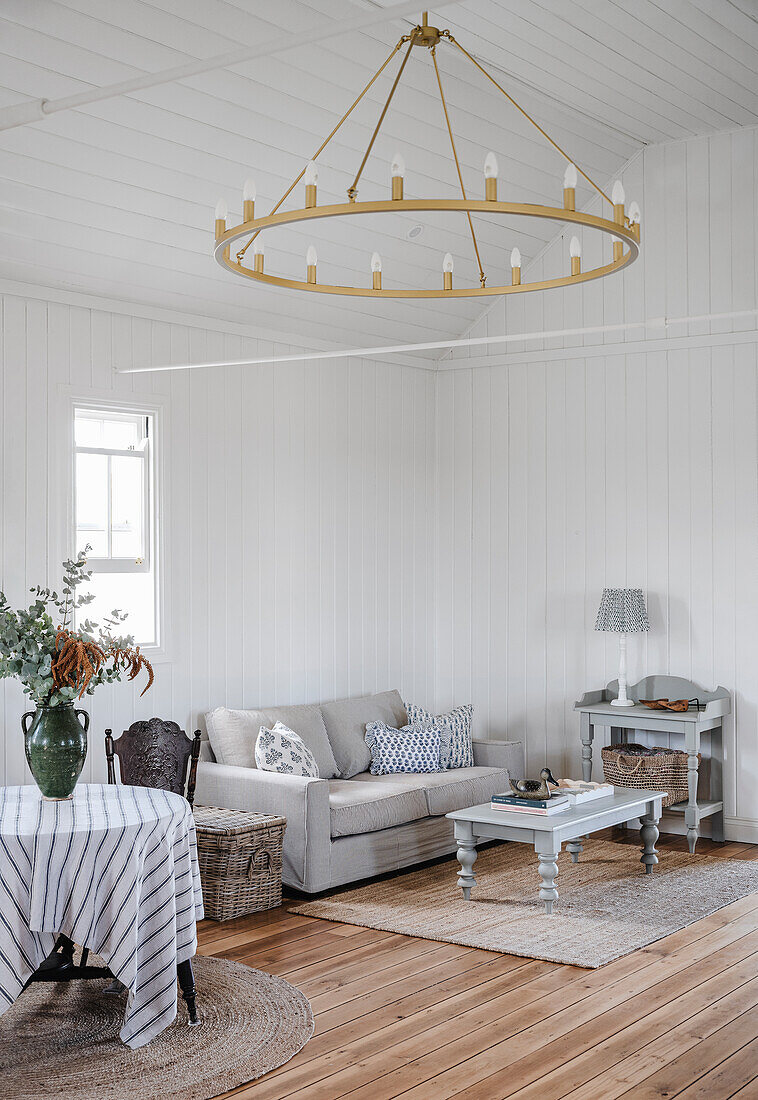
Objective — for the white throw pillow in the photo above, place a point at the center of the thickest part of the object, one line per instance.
(281, 750)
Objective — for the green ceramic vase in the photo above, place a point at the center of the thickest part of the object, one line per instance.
(56, 747)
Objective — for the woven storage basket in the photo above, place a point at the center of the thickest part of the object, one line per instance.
(663, 770)
(240, 857)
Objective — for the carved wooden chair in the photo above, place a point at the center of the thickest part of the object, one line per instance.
(155, 754)
(158, 754)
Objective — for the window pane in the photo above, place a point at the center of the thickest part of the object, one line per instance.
(131, 592)
(127, 507)
(121, 434)
(89, 431)
(92, 503)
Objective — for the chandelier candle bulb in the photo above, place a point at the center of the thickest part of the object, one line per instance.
(575, 252)
(635, 217)
(248, 200)
(311, 259)
(376, 270)
(490, 177)
(398, 174)
(515, 267)
(311, 179)
(221, 213)
(447, 272)
(258, 255)
(618, 197)
(570, 180)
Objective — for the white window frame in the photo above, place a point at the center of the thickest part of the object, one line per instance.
(113, 564)
(62, 530)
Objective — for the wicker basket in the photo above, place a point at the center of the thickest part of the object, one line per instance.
(641, 768)
(240, 857)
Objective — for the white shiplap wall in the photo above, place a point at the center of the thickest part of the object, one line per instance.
(559, 474)
(298, 509)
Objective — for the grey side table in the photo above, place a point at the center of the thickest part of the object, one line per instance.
(595, 710)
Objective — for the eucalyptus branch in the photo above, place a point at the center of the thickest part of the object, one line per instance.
(40, 647)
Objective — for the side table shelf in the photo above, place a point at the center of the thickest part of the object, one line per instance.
(595, 710)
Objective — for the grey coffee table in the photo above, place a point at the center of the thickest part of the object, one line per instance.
(548, 834)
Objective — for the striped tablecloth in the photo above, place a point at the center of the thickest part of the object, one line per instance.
(115, 869)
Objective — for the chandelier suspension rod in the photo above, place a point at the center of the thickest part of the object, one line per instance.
(482, 276)
(526, 115)
(353, 189)
(324, 144)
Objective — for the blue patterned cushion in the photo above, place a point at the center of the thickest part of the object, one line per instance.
(281, 750)
(409, 749)
(458, 723)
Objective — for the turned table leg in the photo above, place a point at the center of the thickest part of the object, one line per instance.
(576, 848)
(464, 835)
(690, 814)
(587, 732)
(649, 834)
(548, 868)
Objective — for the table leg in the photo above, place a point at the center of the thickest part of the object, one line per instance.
(548, 868)
(649, 834)
(587, 733)
(576, 848)
(187, 985)
(690, 814)
(464, 835)
(717, 782)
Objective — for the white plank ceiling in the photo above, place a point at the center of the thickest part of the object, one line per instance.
(117, 198)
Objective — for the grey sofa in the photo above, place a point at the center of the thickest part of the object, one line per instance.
(349, 824)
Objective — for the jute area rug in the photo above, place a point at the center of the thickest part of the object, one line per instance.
(607, 906)
(61, 1039)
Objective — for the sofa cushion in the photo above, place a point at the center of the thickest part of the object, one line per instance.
(233, 733)
(367, 803)
(346, 722)
(457, 788)
(308, 722)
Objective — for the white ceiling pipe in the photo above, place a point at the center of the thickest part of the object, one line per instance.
(35, 110)
(432, 345)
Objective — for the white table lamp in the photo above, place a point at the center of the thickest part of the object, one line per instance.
(623, 611)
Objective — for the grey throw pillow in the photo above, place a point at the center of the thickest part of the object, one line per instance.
(346, 722)
(233, 733)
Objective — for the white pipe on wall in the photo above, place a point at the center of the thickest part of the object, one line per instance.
(35, 110)
(471, 341)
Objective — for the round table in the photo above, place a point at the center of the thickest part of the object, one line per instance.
(115, 869)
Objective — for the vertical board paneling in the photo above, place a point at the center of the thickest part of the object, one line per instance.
(298, 525)
(637, 469)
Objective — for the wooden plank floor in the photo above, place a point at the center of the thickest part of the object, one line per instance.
(398, 1016)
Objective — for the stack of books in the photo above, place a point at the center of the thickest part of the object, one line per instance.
(542, 807)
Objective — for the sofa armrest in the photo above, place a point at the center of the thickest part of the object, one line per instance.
(500, 754)
(304, 802)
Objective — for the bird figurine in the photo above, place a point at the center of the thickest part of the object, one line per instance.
(534, 789)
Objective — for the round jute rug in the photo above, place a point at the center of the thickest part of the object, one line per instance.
(61, 1040)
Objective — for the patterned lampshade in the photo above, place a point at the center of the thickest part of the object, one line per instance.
(623, 611)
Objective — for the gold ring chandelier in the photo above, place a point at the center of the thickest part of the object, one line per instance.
(623, 228)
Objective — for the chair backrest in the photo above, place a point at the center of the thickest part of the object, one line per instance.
(155, 754)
